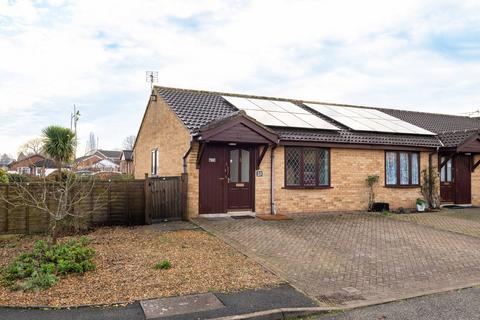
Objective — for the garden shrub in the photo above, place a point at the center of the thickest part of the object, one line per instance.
(165, 264)
(15, 177)
(40, 268)
(3, 176)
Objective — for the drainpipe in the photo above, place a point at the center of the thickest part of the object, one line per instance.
(185, 157)
(272, 181)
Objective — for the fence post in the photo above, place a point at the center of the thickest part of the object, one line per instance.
(184, 196)
(7, 211)
(127, 203)
(148, 201)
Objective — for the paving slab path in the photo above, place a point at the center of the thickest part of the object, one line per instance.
(355, 259)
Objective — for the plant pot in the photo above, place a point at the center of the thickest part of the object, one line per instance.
(421, 207)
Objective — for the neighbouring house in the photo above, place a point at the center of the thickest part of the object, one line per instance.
(126, 162)
(272, 155)
(100, 160)
(33, 165)
(5, 161)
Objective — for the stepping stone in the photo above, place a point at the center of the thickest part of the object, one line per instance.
(165, 307)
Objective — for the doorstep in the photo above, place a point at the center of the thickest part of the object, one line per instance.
(228, 214)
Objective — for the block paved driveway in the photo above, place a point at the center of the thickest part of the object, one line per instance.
(355, 259)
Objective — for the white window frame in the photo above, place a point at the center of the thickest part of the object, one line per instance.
(154, 161)
(24, 170)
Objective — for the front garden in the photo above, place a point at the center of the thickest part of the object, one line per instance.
(121, 265)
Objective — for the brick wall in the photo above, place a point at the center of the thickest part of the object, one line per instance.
(163, 130)
(476, 183)
(193, 182)
(349, 169)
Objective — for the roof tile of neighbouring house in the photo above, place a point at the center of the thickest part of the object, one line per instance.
(199, 108)
(46, 163)
(127, 155)
(114, 154)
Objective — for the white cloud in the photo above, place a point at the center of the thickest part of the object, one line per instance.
(94, 54)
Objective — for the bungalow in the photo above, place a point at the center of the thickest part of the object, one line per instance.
(33, 165)
(126, 162)
(107, 160)
(272, 155)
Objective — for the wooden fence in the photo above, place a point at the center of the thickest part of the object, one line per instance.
(129, 202)
(121, 203)
(166, 198)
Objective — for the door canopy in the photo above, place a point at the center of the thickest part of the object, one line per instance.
(238, 128)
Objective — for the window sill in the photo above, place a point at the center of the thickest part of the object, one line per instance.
(302, 188)
(403, 187)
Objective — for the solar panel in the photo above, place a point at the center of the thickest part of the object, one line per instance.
(265, 118)
(364, 119)
(279, 113)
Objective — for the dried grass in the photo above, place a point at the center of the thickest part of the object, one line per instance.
(125, 258)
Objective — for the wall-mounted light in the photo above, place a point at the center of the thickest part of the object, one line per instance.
(232, 144)
(153, 97)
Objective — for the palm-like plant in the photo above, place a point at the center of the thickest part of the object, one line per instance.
(59, 144)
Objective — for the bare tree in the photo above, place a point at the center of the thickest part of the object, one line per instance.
(91, 143)
(66, 198)
(129, 142)
(32, 146)
(69, 201)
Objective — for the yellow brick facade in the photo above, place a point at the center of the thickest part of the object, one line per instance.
(476, 183)
(348, 192)
(161, 129)
(349, 168)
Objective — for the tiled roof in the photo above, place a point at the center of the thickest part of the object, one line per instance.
(45, 163)
(127, 155)
(454, 138)
(199, 108)
(435, 122)
(195, 108)
(355, 137)
(115, 154)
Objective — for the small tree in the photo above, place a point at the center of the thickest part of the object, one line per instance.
(371, 181)
(430, 187)
(64, 198)
(128, 142)
(32, 146)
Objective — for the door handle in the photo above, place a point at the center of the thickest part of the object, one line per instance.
(221, 178)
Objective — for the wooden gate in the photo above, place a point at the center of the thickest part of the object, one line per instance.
(165, 198)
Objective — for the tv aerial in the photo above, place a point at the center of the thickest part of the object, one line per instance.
(151, 77)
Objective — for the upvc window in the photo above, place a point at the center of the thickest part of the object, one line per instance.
(307, 167)
(446, 173)
(24, 170)
(402, 168)
(154, 162)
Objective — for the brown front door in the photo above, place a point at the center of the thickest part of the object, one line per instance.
(455, 179)
(463, 181)
(240, 178)
(213, 179)
(447, 185)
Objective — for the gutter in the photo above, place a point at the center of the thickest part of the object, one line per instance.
(272, 181)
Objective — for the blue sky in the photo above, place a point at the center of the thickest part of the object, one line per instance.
(416, 55)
